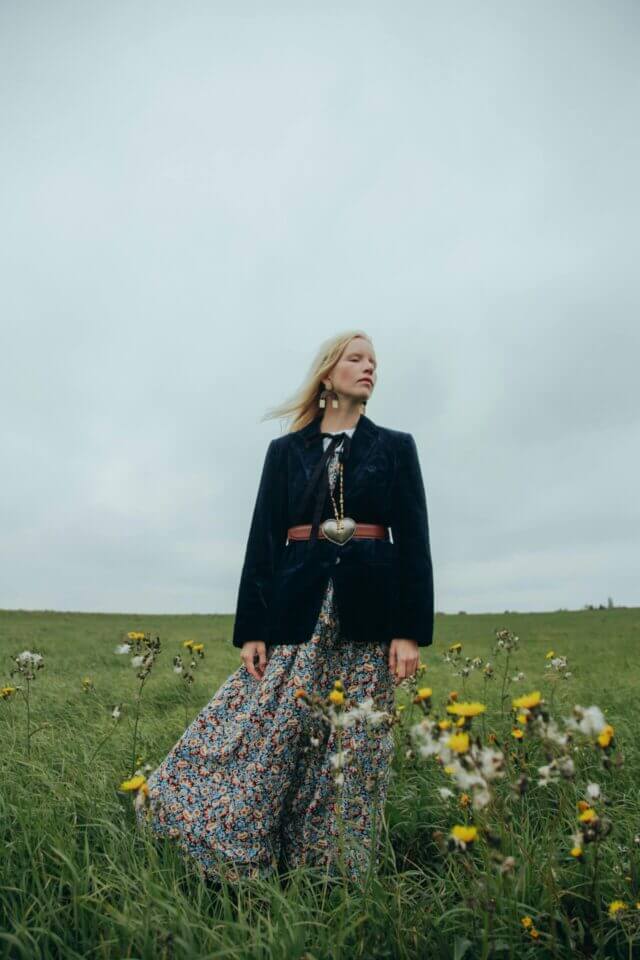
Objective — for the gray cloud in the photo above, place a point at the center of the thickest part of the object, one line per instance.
(194, 197)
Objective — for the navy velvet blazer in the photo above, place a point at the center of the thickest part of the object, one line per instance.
(383, 589)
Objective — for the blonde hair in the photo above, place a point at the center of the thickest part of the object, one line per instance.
(302, 405)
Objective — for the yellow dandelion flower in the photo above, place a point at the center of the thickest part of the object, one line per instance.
(453, 695)
(464, 833)
(449, 768)
(337, 697)
(534, 933)
(605, 736)
(616, 906)
(588, 815)
(522, 717)
(459, 742)
(576, 851)
(526, 922)
(467, 709)
(455, 647)
(133, 784)
(424, 693)
(583, 805)
(461, 722)
(444, 724)
(517, 733)
(549, 654)
(338, 685)
(6, 692)
(188, 644)
(198, 647)
(527, 700)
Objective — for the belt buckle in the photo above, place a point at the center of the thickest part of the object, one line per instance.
(338, 534)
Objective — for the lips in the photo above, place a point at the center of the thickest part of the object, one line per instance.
(366, 380)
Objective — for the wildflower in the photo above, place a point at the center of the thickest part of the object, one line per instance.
(464, 800)
(605, 736)
(588, 720)
(528, 700)
(534, 933)
(444, 724)
(593, 790)
(27, 663)
(137, 661)
(462, 835)
(616, 906)
(198, 648)
(549, 654)
(116, 712)
(188, 644)
(445, 793)
(338, 685)
(423, 694)
(526, 922)
(133, 784)
(300, 692)
(453, 695)
(455, 648)
(588, 815)
(459, 742)
(559, 664)
(337, 697)
(517, 733)
(136, 635)
(123, 648)
(466, 709)
(6, 692)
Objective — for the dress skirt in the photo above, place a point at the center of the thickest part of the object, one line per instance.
(261, 781)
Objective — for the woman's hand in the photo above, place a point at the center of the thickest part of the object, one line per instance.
(250, 651)
(404, 657)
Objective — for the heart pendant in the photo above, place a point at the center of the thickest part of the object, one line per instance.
(331, 531)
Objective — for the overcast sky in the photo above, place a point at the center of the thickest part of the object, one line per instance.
(196, 194)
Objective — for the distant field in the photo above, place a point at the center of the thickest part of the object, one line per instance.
(75, 880)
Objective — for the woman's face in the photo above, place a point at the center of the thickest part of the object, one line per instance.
(355, 373)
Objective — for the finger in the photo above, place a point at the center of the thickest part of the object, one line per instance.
(251, 668)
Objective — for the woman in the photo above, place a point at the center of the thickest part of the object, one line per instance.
(266, 776)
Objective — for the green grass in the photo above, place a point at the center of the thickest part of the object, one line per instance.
(77, 879)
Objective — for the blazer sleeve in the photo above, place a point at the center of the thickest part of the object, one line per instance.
(413, 600)
(265, 545)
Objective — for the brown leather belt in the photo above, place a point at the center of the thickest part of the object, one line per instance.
(377, 530)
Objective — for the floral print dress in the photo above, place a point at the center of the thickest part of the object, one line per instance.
(261, 781)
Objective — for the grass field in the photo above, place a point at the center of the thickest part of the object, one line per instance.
(79, 881)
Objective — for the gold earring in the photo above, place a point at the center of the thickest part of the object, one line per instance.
(322, 402)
